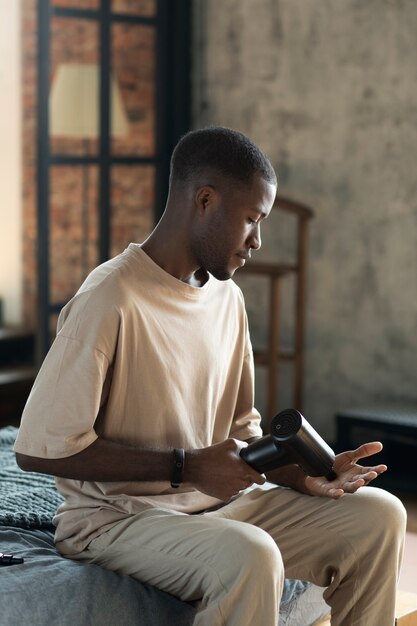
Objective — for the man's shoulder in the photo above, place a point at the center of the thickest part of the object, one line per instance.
(110, 274)
(106, 291)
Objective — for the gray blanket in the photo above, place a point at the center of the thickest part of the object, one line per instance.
(48, 590)
(28, 500)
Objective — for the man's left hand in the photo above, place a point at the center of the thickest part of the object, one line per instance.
(350, 475)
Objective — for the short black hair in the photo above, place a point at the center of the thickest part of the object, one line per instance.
(224, 150)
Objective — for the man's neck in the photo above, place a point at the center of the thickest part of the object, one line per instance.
(173, 257)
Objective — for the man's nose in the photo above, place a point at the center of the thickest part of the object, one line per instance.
(255, 241)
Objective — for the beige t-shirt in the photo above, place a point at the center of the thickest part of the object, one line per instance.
(144, 359)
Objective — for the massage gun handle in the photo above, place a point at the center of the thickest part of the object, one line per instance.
(264, 455)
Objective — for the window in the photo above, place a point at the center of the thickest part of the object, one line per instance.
(114, 97)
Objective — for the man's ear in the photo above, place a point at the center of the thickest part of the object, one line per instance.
(206, 198)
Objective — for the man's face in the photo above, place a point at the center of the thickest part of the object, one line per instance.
(232, 228)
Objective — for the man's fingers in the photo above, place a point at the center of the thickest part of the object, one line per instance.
(259, 479)
(378, 469)
(353, 486)
(336, 493)
(368, 473)
(365, 450)
(368, 476)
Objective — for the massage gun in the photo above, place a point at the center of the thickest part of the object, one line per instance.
(292, 440)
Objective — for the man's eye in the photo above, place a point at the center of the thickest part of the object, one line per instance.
(251, 221)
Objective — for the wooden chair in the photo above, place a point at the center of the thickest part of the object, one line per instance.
(274, 353)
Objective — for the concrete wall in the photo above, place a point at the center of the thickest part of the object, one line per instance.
(328, 89)
(10, 162)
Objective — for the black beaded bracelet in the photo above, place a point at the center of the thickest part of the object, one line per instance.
(178, 471)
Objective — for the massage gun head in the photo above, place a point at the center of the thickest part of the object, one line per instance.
(286, 424)
(291, 430)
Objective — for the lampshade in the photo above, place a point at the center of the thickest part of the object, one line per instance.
(73, 103)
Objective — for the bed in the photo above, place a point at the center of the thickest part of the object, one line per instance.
(48, 590)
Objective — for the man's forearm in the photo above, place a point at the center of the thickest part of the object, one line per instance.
(105, 461)
(217, 470)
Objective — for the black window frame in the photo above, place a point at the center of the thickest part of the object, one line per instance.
(172, 23)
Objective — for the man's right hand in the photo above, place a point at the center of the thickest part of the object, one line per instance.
(219, 471)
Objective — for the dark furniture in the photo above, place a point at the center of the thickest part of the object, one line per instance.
(17, 372)
(395, 425)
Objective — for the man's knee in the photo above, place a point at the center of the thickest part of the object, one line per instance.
(380, 519)
(252, 549)
(382, 509)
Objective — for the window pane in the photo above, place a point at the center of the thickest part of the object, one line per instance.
(133, 65)
(74, 87)
(144, 8)
(73, 228)
(132, 202)
(76, 4)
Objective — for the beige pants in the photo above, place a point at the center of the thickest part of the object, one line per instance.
(235, 558)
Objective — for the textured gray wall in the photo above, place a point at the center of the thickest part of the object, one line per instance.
(328, 89)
